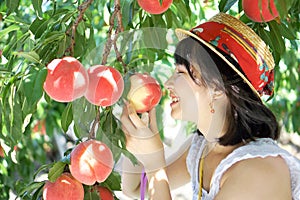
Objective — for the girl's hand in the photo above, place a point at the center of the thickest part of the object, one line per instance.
(142, 137)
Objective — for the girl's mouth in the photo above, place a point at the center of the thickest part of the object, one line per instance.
(174, 99)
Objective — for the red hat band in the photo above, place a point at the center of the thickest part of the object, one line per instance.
(236, 45)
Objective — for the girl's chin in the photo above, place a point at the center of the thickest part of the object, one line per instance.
(175, 115)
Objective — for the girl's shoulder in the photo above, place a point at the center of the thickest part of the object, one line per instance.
(263, 161)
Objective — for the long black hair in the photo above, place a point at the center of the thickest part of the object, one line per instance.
(248, 117)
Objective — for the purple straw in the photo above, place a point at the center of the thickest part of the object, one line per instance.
(143, 184)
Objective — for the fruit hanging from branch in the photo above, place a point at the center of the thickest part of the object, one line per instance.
(91, 162)
(105, 87)
(64, 188)
(155, 6)
(260, 10)
(105, 193)
(66, 80)
(145, 92)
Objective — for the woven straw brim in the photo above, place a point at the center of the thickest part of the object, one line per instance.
(260, 46)
(181, 34)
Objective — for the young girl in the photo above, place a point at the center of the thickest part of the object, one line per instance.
(222, 70)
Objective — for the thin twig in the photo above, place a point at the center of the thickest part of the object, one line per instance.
(109, 42)
(81, 8)
(119, 15)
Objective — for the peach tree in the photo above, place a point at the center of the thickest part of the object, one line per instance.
(40, 128)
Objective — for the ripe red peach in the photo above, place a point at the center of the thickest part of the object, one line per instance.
(91, 161)
(64, 188)
(2, 153)
(145, 92)
(66, 80)
(105, 87)
(105, 193)
(260, 10)
(154, 6)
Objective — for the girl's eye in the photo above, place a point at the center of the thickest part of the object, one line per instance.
(179, 72)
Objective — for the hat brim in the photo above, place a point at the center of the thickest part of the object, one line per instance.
(181, 34)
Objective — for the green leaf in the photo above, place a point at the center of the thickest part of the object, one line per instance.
(17, 118)
(31, 56)
(37, 5)
(83, 115)
(113, 182)
(67, 117)
(225, 5)
(91, 195)
(282, 7)
(12, 6)
(286, 32)
(31, 187)
(42, 168)
(38, 193)
(38, 27)
(276, 37)
(32, 89)
(5, 31)
(56, 171)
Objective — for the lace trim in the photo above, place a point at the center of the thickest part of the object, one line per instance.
(263, 147)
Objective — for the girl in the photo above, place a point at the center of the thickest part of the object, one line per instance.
(222, 70)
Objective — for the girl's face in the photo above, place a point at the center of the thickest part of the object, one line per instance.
(190, 101)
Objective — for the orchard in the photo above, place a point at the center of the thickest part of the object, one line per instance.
(67, 67)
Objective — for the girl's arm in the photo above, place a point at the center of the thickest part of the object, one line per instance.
(175, 171)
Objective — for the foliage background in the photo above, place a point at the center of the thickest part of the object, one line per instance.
(32, 33)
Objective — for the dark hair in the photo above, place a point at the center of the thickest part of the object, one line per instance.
(248, 117)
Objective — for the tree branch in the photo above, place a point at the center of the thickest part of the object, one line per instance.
(81, 8)
(111, 41)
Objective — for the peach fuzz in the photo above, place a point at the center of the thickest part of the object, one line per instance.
(154, 6)
(66, 80)
(91, 162)
(105, 87)
(145, 92)
(64, 188)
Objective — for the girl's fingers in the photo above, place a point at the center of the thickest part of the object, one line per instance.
(152, 120)
(135, 119)
(126, 122)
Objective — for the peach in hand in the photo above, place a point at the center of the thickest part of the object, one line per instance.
(91, 162)
(145, 92)
(66, 80)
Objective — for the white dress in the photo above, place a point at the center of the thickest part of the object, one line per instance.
(260, 148)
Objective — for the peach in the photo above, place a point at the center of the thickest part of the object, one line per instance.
(145, 92)
(66, 80)
(260, 10)
(105, 87)
(64, 188)
(91, 161)
(40, 127)
(154, 6)
(2, 153)
(105, 193)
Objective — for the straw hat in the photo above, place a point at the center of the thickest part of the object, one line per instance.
(226, 33)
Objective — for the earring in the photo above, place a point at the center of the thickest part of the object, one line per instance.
(212, 110)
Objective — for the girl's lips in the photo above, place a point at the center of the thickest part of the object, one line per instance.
(174, 99)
